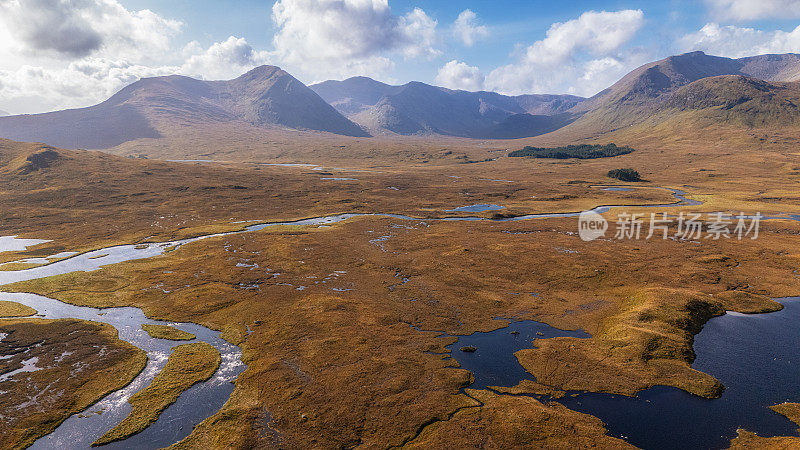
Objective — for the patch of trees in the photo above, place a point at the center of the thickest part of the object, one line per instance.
(625, 175)
(582, 151)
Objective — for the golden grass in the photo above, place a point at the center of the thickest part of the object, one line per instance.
(163, 201)
(642, 301)
(167, 332)
(188, 364)
(12, 266)
(790, 410)
(503, 421)
(320, 361)
(14, 309)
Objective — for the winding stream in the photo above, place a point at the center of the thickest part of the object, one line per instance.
(203, 399)
(177, 421)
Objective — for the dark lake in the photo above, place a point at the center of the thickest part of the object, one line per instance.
(755, 356)
(494, 363)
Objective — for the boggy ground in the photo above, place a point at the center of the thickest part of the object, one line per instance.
(167, 332)
(73, 364)
(86, 200)
(344, 349)
(187, 365)
(345, 319)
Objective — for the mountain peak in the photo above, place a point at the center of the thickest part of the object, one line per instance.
(420, 108)
(265, 96)
(361, 78)
(262, 72)
(693, 53)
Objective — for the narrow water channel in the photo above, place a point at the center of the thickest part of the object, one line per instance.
(178, 420)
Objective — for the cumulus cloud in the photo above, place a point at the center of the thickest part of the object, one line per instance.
(743, 10)
(90, 80)
(418, 34)
(76, 28)
(338, 38)
(598, 74)
(736, 42)
(222, 60)
(57, 54)
(466, 28)
(57, 28)
(459, 75)
(598, 32)
(575, 56)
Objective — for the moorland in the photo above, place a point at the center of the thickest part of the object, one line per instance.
(342, 324)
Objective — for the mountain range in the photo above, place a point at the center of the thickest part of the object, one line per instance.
(265, 97)
(689, 82)
(755, 91)
(419, 108)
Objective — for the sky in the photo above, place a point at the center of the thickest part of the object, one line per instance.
(57, 54)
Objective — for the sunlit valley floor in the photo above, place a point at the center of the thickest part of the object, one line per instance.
(348, 325)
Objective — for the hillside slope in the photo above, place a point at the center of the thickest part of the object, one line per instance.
(738, 100)
(652, 88)
(149, 108)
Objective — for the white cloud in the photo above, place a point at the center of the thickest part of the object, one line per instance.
(418, 34)
(73, 29)
(735, 42)
(574, 56)
(467, 30)
(338, 38)
(222, 60)
(597, 32)
(459, 75)
(743, 10)
(91, 80)
(57, 54)
(598, 74)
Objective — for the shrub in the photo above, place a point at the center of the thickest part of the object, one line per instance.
(624, 175)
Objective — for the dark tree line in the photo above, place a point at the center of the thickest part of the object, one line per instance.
(582, 151)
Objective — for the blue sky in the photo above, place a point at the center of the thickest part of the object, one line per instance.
(512, 23)
(61, 53)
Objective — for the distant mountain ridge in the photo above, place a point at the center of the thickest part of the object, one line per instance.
(263, 97)
(692, 87)
(653, 87)
(419, 108)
